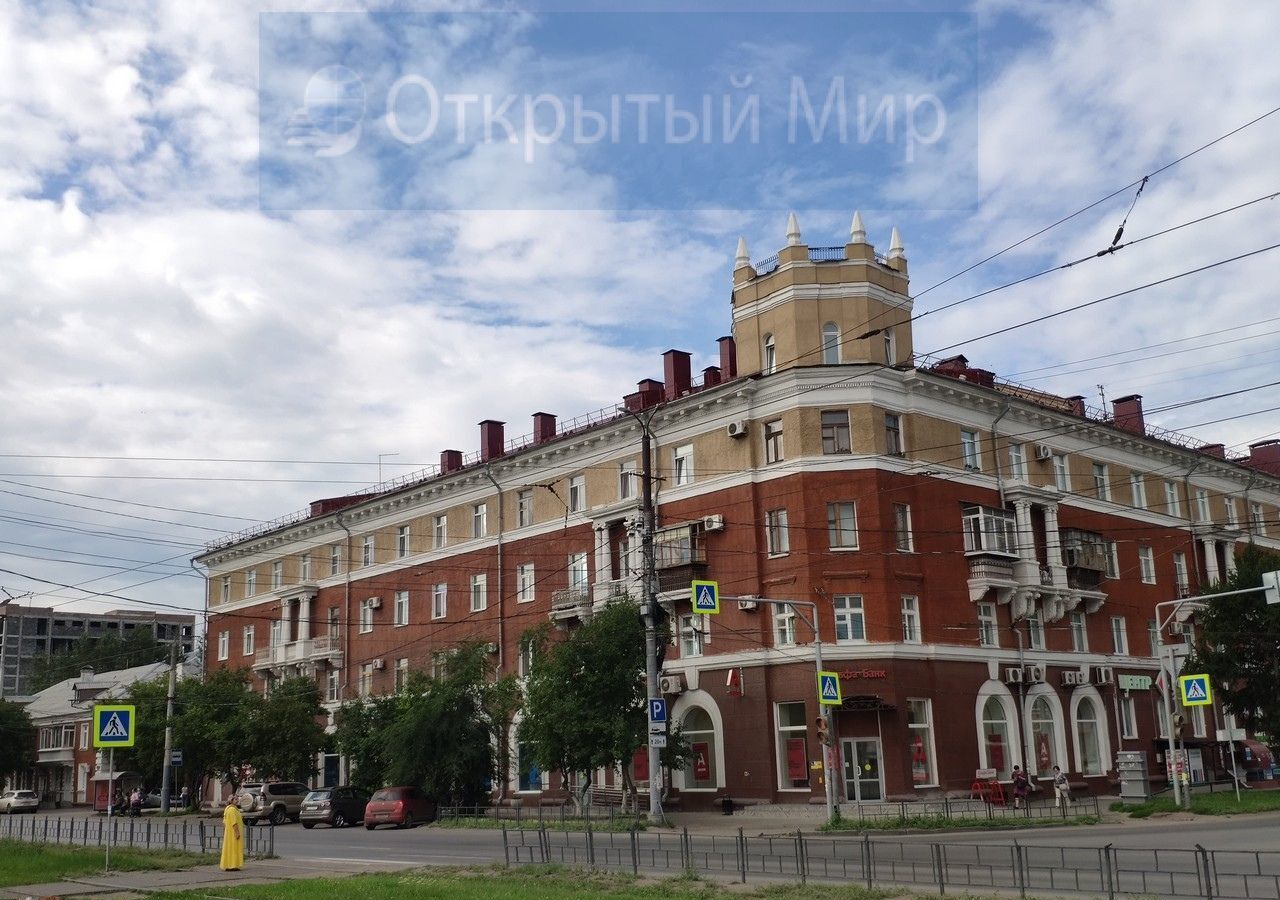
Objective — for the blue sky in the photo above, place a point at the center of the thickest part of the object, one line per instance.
(166, 320)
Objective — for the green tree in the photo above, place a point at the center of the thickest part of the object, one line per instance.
(585, 703)
(361, 735)
(288, 734)
(146, 756)
(111, 652)
(18, 748)
(1237, 644)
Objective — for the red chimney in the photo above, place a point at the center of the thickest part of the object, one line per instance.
(544, 427)
(492, 443)
(1126, 413)
(1218, 450)
(728, 358)
(1265, 455)
(1075, 405)
(678, 373)
(648, 393)
(710, 376)
(450, 461)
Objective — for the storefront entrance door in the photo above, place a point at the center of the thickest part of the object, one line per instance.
(862, 776)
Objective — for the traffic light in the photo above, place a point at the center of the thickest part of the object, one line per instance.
(824, 731)
(1179, 721)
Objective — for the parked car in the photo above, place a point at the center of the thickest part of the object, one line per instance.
(336, 807)
(19, 801)
(274, 801)
(400, 806)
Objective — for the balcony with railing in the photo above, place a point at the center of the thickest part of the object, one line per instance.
(680, 556)
(297, 652)
(571, 603)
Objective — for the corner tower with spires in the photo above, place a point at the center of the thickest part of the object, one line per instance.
(811, 306)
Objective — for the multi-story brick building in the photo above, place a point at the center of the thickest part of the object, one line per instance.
(28, 633)
(986, 558)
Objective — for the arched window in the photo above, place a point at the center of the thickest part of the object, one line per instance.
(770, 363)
(1087, 743)
(701, 734)
(830, 344)
(995, 737)
(1044, 739)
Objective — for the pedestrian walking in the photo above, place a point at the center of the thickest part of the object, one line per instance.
(1021, 786)
(1061, 789)
(232, 838)
(135, 802)
(186, 797)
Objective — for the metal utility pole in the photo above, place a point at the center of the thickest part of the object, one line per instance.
(649, 610)
(167, 779)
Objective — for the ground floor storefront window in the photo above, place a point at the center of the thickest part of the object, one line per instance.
(793, 746)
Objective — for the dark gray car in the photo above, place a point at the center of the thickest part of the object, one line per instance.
(336, 807)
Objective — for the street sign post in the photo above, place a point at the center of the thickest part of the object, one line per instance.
(829, 693)
(706, 597)
(658, 740)
(113, 726)
(175, 757)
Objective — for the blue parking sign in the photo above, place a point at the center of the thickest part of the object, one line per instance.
(657, 709)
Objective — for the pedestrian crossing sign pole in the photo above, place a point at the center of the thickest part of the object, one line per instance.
(706, 597)
(113, 726)
(1195, 690)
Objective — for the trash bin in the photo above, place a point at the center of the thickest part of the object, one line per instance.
(726, 806)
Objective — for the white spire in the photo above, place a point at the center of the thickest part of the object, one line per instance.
(857, 234)
(895, 245)
(742, 258)
(793, 231)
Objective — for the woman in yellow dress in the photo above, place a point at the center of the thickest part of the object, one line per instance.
(232, 838)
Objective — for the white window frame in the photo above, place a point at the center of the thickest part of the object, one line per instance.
(693, 632)
(842, 525)
(1196, 719)
(1147, 565)
(402, 541)
(774, 451)
(1203, 513)
(894, 445)
(479, 592)
(970, 450)
(402, 673)
(577, 493)
(1079, 632)
(784, 626)
(1128, 717)
(769, 355)
(524, 508)
(251, 583)
(1101, 481)
(246, 640)
(836, 435)
(277, 575)
(1035, 629)
(440, 531)
(366, 550)
(335, 559)
(777, 534)
(304, 567)
(1257, 520)
(1138, 486)
(1172, 502)
(988, 625)
(333, 685)
(1119, 636)
(224, 645)
(366, 679)
(626, 479)
(1061, 472)
(1018, 462)
(525, 583)
(439, 600)
(682, 464)
(850, 612)
(830, 344)
(579, 571)
(902, 529)
(1113, 560)
(366, 616)
(1181, 575)
(890, 346)
(912, 625)
(1233, 512)
(479, 520)
(914, 730)
(781, 734)
(401, 604)
(225, 591)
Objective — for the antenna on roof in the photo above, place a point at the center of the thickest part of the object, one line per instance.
(1102, 392)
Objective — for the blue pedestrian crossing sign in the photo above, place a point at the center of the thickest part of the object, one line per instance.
(1195, 690)
(657, 709)
(114, 726)
(829, 689)
(706, 597)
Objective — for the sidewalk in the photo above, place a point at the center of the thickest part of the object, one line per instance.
(140, 884)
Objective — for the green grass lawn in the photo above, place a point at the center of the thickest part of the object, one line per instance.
(619, 824)
(1216, 804)
(26, 863)
(952, 824)
(530, 883)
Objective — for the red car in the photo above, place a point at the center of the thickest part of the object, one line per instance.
(403, 807)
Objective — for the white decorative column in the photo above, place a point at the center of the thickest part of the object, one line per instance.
(1053, 545)
(304, 618)
(1210, 559)
(284, 622)
(604, 559)
(1229, 554)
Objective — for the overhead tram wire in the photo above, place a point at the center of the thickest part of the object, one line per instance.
(1067, 218)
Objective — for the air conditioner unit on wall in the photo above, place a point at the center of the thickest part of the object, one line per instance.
(671, 684)
(379, 664)
(713, 523)
(737, 428)
(1103, 675)
(1043, 451)
(1035, 674)
(1071, 677)
(1013, 675)
(375, 602)
(748, 605)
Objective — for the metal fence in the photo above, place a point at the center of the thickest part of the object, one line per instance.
(561, 816)
(1029, 869)
(143, 833)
